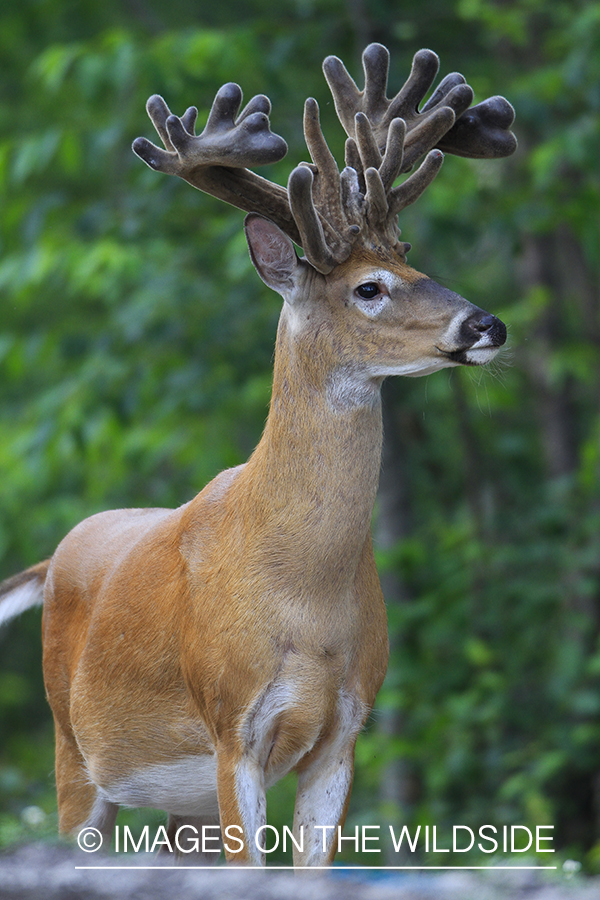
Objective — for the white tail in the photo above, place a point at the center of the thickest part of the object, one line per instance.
(193, 657)
(22, 591)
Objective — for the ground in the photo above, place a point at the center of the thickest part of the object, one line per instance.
(49, 871)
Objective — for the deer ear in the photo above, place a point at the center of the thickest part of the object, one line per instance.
(273, 254)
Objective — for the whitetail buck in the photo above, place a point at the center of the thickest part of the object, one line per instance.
(193, 657)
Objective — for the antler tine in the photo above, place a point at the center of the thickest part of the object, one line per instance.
(321, 155)
(483, 132)
(428, 133)
(425, 66)
(215, 161)
(411, 189)
(393, 161)
(370, 154)
(312, 236)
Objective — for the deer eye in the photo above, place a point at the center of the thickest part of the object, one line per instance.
(368, 291)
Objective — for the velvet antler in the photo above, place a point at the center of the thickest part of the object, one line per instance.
(326, 211)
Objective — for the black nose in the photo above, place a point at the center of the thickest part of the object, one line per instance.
(481, 324)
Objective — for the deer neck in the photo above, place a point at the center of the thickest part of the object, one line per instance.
(315, 472)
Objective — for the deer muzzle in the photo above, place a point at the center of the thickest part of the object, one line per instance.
(479, 338)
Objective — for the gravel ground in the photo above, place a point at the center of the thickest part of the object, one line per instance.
(48, 872)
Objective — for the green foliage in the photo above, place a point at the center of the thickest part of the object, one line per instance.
(135, 355)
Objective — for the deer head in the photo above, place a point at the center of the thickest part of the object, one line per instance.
(347, 222)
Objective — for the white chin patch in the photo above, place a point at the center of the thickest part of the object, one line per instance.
(480, 356)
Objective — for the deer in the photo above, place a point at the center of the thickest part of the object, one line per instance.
(193, 657)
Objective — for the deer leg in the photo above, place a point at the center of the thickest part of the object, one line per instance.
(80, 804)
(322, 799)
(188, 839)
(242, 805)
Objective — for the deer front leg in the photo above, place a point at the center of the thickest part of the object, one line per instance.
(242, 805)
(322, 799)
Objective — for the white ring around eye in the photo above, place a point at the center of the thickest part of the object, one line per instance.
(372, 308)
(386, 281)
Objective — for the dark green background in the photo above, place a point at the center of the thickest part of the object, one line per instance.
(135, 357)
